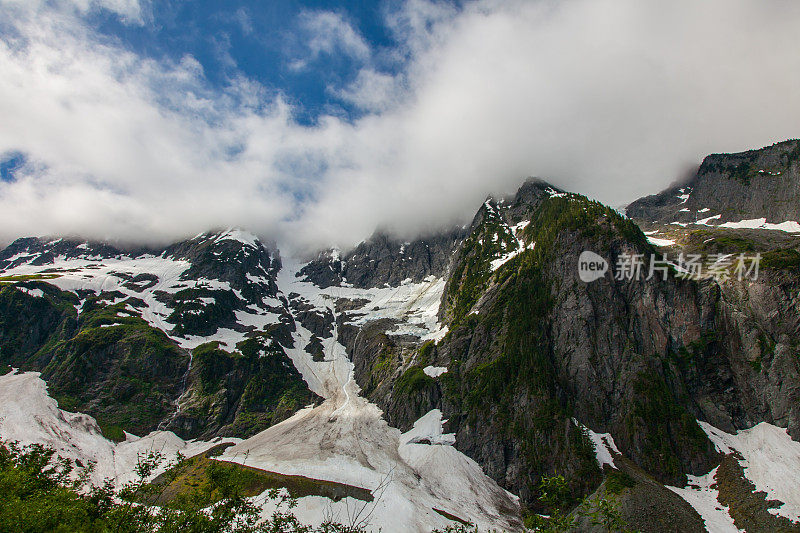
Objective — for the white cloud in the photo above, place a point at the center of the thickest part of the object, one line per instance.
(372, 91)
(130, 11)
(613, 98)
(328, 33)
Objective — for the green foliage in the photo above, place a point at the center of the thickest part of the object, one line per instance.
(601, 511)
(43, 493)
(605, 512)
(112, 432)
(27, 277)
(554, 492)
(413, 380)
(617, 481)
(196, 476)
(458, 528)
(730, 244)
(491, 239)
(29, 326)
(741, 171)
(249, 389)
(425, 352)
(38, 494)
(667, 425)
(117, 368)
(587, 218)
(784, 259)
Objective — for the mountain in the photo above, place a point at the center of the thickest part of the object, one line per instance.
(733, 190)
(117, 341)
(449, 375)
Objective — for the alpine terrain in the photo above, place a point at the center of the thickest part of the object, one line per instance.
(452, 379)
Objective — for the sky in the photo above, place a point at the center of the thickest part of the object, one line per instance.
(314, 123)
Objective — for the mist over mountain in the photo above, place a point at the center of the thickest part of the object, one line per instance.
(407, 117)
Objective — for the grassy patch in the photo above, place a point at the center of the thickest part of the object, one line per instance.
(194, 476)
(27, 277)
(413, 380)
(112, 432)
(664, 426)
(786, 259)
(617, 481)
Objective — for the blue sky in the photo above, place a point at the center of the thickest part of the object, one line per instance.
(313, 123)
(266, 41)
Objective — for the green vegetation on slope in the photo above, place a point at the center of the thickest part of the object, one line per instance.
(244, 391)
(42, 493)
(197, 475)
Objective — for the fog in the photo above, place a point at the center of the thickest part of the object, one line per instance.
(614, 99)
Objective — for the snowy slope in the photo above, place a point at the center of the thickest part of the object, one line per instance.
(29, 415)
(168, 272)
(346, 440)
(701, 493)
(771, 460)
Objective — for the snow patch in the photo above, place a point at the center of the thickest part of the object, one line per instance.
(771, 460)
(789, 226)
(705, 221)
(702, 494)
(36, 293)
(604, 446)
(685, 192)
(239, 235)
(434, 371)
(660, 242)
(429, 430)
(29, 415)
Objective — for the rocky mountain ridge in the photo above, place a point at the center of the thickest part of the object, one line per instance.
(731, 188)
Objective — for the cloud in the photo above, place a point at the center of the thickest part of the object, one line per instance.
(326, 33)
(129, 11)
(372, 91)
(612, 98)
(245, 22)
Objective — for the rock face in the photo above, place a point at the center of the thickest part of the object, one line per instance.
(755, 184)
(531, 346)
(385, 260)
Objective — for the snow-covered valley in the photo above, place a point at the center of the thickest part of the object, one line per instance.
(344, 439)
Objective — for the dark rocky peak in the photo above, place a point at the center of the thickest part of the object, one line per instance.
(383, 259)
(325, 270)
(528, 198)
(496, 236)
(44, 251)
(510, 210)
(233, 256)
(756, 184)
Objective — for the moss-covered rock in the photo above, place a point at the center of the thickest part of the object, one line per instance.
(242, 392)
